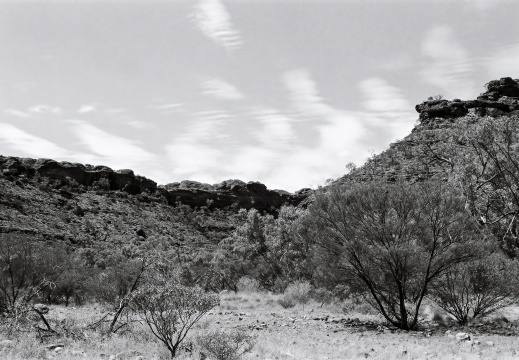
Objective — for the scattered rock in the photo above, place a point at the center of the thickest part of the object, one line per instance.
(54, 346)
(41, 308)
(462, 336)
(6, 343)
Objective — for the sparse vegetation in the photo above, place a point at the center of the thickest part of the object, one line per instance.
(226, 345)
(171, 310)
(432, 220)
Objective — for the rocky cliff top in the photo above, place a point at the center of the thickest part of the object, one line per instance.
(79, 177)
(501, 97)
(423, 153)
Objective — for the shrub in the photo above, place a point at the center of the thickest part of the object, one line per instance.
(296, 293)
(287, 303)
(226, 345)
(248, 284)
(171, 310)
(322, 296)
(477, 289)
(391, 241)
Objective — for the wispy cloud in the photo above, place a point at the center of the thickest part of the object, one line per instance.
(382, 97)
(504, 62)
(86, 108)
(276, 131)
(213, 19)
(138, 124)
(45, 109)
(112, 150)
(451, 67)
(164, 109)
(17, 113)
(191, 154)
(221, 89)
(18, 141)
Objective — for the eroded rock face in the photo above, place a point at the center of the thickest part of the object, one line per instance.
(502, 97)
(229, 193)
(85, 175)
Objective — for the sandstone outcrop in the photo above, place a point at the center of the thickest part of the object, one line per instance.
(501, 97)
(227, 194)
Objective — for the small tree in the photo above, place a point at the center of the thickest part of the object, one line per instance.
(390, 241)
(171, 310)
(26, 268)
(478, 288)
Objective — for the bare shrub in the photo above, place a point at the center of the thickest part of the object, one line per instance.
(226, 345)
(297, 292)
(477, 289)
(171, 310)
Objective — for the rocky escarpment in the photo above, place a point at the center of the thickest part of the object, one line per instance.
(230, 193)
(501, 97)
(429, 150)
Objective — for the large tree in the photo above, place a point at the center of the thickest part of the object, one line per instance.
(392, 240)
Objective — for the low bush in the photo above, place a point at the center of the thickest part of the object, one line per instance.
(296, 293)
(226, 345)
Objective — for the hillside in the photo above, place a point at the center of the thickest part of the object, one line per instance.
(85, 205)
(101, 214)
(430, 151)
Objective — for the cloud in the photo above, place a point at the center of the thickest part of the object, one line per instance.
(112, 150)
(221, 89)
(45, 109)
(86, 109)
(382, 97)
(276, 131)
(213, 19)
(138, 124)
(451, 67)
(17, 113)
(21, 142)
(504, 62)
(306, 99)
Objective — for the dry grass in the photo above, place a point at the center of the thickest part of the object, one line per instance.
(294, 333)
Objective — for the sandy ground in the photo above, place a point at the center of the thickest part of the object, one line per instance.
(309, 332)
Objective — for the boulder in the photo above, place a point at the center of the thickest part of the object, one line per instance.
(41, 308)
(461, 336)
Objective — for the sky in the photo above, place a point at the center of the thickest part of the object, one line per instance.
(285, 92)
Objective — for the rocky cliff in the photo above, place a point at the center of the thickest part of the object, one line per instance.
(429, 150)
(501, 97)
(228, 194)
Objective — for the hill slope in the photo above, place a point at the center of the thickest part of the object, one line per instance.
(431, 148)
